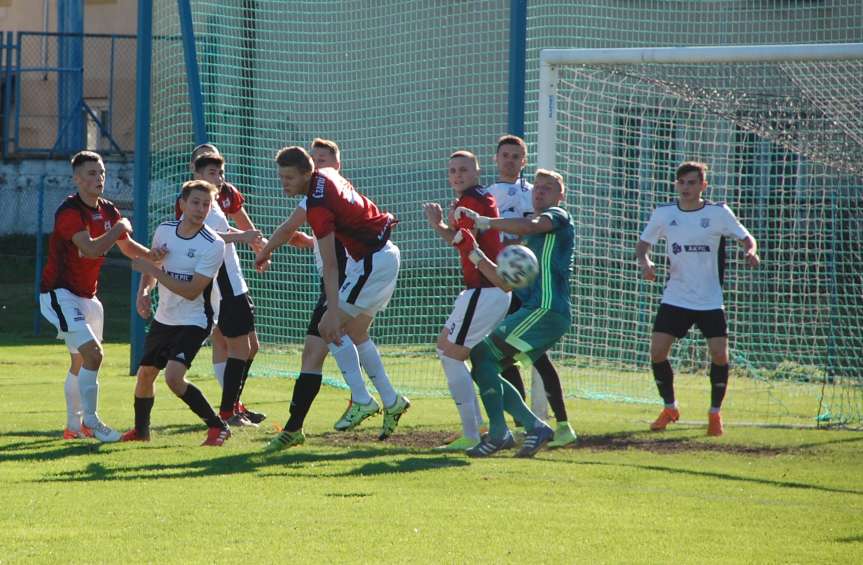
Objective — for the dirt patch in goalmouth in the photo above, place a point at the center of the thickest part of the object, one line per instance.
(428, 439)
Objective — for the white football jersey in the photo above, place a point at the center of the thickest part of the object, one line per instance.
(513, 201)
(202, 253)
(695, 251)
(319, 262)
(230, 279)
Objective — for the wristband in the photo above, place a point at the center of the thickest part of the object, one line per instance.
(475, 257)
(482, 223)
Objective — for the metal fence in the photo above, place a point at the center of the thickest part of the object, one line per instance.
(63, 92)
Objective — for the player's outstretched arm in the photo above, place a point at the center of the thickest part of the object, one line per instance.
(464, 241)
(285, 233)
(645, 265)
(434, 216)
(330, 325)
(189, 290)
(467, 218)
(97, 247)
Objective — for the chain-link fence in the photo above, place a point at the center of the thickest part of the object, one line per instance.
(67, 92)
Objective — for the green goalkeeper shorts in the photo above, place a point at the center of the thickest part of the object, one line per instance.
(531, 332)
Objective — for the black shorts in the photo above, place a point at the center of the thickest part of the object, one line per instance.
(236, 315)
(172, 343)
(317, 314)
(676, 321)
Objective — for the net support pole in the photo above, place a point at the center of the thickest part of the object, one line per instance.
(517, 54)
(547, 120)
(193, 77)
(144, 58)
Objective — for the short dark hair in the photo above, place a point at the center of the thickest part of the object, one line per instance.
(202, 185)
(297, 157)
(510, 139)
(692, 166)
(204, 148)
(321, 143)
(207, 159)
(466, 154)
(85, 157)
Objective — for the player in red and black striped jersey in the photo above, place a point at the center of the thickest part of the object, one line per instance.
(335, 210)
(86, 226)
(479, 308)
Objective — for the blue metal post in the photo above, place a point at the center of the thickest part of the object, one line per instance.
(517, 54)
(110, 121)
(196, 97)
(7, 87)
(70, 85)
(40, 207)
(142, 164)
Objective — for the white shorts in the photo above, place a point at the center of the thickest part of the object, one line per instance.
(77, 319)
(369, 283)
(477, 311)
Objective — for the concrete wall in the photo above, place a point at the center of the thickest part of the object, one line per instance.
(19, 192)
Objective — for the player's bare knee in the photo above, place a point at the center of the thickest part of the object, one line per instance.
(719, 357)
(238, 347)
(254, 344)
(91, 355)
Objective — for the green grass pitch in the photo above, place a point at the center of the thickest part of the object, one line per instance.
(624, 495)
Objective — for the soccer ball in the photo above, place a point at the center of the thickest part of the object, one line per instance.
(517, 266)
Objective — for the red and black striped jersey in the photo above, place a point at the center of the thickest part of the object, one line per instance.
(66, 266)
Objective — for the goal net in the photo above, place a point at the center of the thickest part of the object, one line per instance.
(781, 128)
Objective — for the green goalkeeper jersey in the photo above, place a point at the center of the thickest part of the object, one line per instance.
(553, 250)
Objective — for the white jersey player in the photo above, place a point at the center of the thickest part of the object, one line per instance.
(694, 231)
(186, 311)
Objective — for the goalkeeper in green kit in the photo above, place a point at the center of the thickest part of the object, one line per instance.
(531, 330)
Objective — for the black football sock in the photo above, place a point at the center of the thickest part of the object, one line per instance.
(245, 376)
(552, 386)
(143, 407)
(663, 374)
(234, 369)
(305, 390)
(718, 385)
(196, 400)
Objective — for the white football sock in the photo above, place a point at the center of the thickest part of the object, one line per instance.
(349, 364)
(370, 359)
(461, 388)
(88, 386)
(73, 402)
(219, 370)
(538, 398)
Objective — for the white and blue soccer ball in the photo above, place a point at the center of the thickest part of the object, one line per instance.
(517, 266)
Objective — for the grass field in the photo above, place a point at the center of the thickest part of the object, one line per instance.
(623, 495)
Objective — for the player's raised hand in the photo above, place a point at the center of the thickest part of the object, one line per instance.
(433, 212)
(752, 259)
(144, 306)
(464, 241)
(648, 270)
(467, 218)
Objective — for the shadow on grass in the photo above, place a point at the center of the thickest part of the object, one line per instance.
(409, 465)
(260, 463)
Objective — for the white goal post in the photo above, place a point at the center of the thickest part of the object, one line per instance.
(550, 60)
